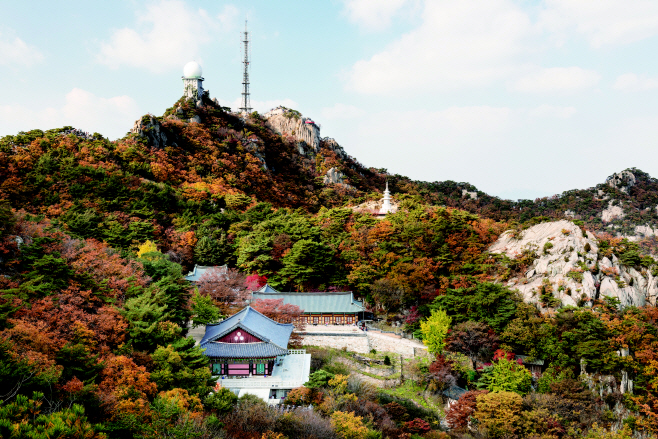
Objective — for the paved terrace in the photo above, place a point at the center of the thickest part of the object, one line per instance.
(293, 372)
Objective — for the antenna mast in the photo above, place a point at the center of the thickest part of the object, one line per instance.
(246, 104)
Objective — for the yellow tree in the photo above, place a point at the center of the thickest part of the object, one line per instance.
(435, 330)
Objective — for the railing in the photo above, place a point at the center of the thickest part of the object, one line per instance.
(262, 384)
(296, 351)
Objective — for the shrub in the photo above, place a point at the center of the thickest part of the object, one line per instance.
(302, 424)
(576, 275)
(299, 396)
(319, 379)
(506, 376)
(221, 401)
(251, 416)
(348, 426)
(547, 247)
(461, 411)
(417, 426)
(498, 413)
(387, 360)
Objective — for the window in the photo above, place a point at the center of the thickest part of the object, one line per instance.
(327, 320)
(339, 320)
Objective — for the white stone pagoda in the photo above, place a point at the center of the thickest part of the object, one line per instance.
(386, 202)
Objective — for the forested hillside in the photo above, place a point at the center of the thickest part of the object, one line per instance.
(96, 236)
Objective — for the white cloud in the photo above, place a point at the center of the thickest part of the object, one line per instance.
(112, 117)
(552, 111)
(341, 111)
(633, 82)
(16, 52)
(169, 33)
(458, 44)
(373, 15)
(601, 22)
(557, 79)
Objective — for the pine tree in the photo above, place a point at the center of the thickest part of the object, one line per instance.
(144, 313)
(181, 364)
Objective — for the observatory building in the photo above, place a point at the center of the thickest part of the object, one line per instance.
(192, 80)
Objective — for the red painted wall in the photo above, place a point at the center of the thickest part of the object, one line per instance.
(244, 337)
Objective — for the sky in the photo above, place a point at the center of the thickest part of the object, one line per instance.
(522, 99)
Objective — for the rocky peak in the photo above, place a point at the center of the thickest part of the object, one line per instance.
(291, 123)
(622, 181)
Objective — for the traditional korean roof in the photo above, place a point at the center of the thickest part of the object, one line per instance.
(200, 270)
(454, 392)
(243, 350)
(531, 360)
(274, 336)
(267, 289)
(338, 302)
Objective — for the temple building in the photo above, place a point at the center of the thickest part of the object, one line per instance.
(249, 352)
(330, 308)
(199, 271)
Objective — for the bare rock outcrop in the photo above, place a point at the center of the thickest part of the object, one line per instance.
(622, 181)
(333, 176)
(292, 123)
(612, 212)
(157, 136)
(569, 266)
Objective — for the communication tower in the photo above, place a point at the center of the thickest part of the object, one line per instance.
(246, 103)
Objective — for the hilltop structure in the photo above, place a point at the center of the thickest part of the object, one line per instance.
(245, 107)
(386, 202)
(192, 80)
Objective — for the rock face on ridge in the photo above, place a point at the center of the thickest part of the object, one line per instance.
(287, 122)
(569, 266)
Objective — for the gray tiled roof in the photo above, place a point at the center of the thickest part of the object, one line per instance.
(339, 302)
(267, 289)
(454, 392)
(200, 270)
(274, 334)
(242, 350)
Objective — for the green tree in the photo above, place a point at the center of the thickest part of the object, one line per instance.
(181, 364)
(203, 310)
(221, 401)
(145, 314)
(308, 262)
(169, 280)
(506, 376)
(207, 251)
(435, 330)
(7, 219)
(486, 302)
(319, 379)
(25, 418)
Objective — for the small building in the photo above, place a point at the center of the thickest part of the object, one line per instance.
(249, 352)
(329, 308)
(199, 270)
(534, 365)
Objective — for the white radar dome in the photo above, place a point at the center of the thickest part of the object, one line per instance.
(192, 70)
